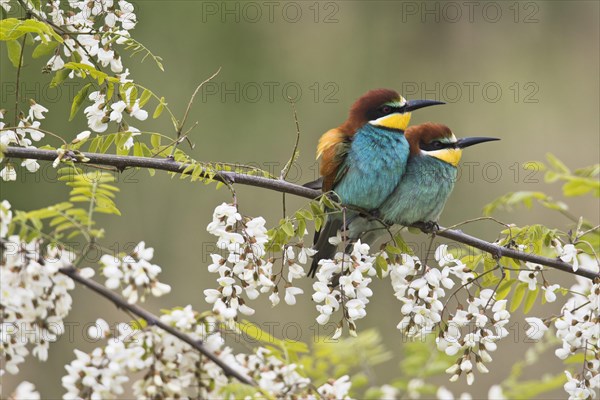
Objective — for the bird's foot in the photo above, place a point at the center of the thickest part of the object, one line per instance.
(429, 226)
(374, 215)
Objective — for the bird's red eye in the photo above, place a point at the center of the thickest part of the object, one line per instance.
(386, 110)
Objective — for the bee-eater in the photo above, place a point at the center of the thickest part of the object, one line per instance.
(429, 175)
(363, 160)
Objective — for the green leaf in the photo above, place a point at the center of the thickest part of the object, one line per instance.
(108, 210)
(253, 332)
(155, 139)
(588, 172)
(392, 249)
(44, 49)
(381, 266)
(133, 93)
(504, 289)
(137, 150)
(318, 223)
(59, 77)
(316, 209)
(13, 28)
(325, 200)
(288, 228)
(530, 299)
(78, 100)
(305, 214)
(301, 228)
(110, 91)
(557, 164)
(14, 52)
(402, 245)
(577, 186)
(91, 71)
(533, 388)
(122, 138)
(146, 95)
(576, 359)
(159, 108)
(109, 139)
(518, 296)
(94, 144)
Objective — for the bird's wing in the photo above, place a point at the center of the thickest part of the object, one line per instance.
(316, 184)
(332, 149)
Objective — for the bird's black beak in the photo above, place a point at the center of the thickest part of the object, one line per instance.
(470, 141)
(412, 105)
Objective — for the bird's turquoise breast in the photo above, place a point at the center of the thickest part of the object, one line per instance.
(422, 192)
(373, 167)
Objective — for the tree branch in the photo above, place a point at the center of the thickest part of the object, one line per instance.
(152, 319)
(123, 162)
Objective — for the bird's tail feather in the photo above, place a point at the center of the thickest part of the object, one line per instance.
(325, 249)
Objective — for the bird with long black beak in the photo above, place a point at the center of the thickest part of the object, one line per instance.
(429, 176)
(364, 159)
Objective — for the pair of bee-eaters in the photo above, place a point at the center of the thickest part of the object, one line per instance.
(374, 162)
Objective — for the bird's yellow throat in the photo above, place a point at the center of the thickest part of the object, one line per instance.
(451, 156)
(393, 121)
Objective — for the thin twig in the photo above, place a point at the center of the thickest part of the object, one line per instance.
(189, 106)
(286, 169)
(288, 165)
(187, 111)
(589, 231)
(17, 99)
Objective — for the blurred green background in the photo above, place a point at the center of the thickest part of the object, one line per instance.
(527, 72)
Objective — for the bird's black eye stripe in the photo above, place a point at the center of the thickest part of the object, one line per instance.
(435, 145)
(382, 111)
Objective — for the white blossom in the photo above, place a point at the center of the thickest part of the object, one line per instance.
(134, 273)
(25, 391)
(8, 173)
(568, 254)
(31, 165)
(291, 293)
(549, 292)
(36, 111)
(536, 328)
(336, 389)
(6, 5)
(84, 135)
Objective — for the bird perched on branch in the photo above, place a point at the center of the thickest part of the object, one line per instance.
(429, 175)
(364, 159)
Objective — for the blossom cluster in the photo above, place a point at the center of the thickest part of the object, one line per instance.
(578, 327)
(531, 276)
(352, 273)
(35, 296)
(99, 114)
(169, 364)
(25, 391)
(91, 30)
(134, 273)
(421, 288)
(243, 269)
(484, 322)
(24, 134)
(172, 369)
